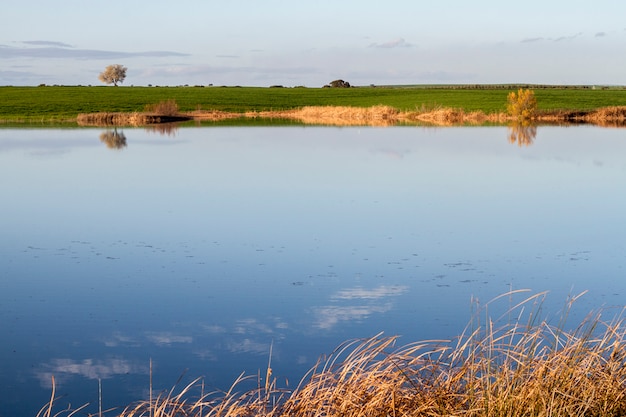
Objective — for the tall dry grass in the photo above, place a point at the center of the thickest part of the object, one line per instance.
(113, 119)
(380, 116)
(521, 366)
(336, 115)
(164, 108)
(614, 116)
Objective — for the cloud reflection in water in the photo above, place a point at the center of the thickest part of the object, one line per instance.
(329, 316)
(63, 369)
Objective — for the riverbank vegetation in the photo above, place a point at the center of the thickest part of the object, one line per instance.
(58, 104)
(518, 366)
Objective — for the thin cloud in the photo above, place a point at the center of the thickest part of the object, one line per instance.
(396, 43)
(568, 38)
(530, 40)
(559, 39)
(48, 43)
(203, 70)
(412, 75)
(8, 52)
(600, 34)
(24, 75)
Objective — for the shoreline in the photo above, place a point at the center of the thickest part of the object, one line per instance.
(614, 116)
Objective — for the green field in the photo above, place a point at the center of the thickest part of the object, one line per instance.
(57, 103)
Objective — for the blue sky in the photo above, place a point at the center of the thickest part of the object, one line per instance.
(297, 42)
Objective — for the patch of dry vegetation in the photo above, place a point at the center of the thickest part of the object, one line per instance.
(367, 116)
(162, 112)
(163, 108)
(614, 116)
(337, 115)
(524, 367)
(125, 119)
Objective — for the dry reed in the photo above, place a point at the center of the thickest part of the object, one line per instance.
(126, 119)
(523, 367)
(356, 116)
(614, 116)
(163, 108)
(336, 115)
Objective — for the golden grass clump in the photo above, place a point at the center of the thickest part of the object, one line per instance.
(112, 119)
(336, 115)
(125, 119)
(163, 108)
(614, 116)
(524, 367)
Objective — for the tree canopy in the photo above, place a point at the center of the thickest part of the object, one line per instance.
(113, 74)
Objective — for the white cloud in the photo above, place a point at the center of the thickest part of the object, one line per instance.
(48, 43)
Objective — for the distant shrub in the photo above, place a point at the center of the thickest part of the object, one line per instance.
(164, 108)
(522, 105)
(339, 84)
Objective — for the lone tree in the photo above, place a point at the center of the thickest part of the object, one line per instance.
(113, 74)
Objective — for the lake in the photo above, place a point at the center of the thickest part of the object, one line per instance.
(200, 249)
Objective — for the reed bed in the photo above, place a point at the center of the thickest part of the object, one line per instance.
(126, 119)
(380, 115)
(614, 116)
(522, 367)
(336, 115)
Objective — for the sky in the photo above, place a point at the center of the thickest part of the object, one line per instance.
(310, 43)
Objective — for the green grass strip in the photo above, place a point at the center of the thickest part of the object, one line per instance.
(57, 103)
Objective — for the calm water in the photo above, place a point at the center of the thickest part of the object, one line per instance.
(202, 248)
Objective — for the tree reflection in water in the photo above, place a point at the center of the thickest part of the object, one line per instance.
(522, 133)
(113, 139)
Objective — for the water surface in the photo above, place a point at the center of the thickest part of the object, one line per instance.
(200, 249)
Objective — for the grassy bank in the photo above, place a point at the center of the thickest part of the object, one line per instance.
(516, 366)
(64, 103)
